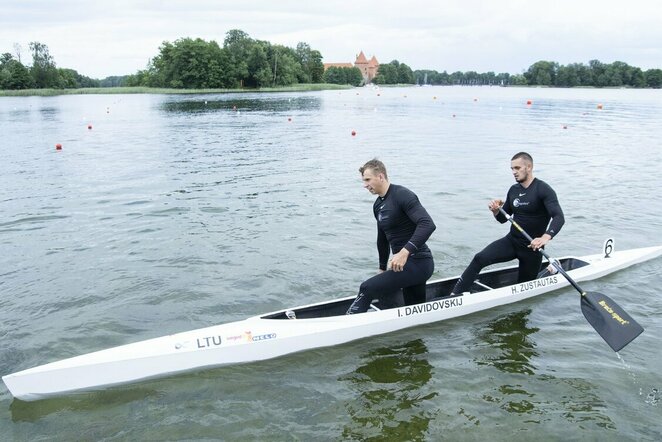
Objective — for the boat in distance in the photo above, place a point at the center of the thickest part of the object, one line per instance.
(300, 328)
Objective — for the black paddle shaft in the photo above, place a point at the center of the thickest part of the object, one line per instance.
(553, 262)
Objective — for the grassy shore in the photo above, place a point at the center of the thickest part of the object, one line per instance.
(151, 90)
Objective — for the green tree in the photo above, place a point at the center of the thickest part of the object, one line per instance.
(471, 78)
(338, 75)
(303, 56)
(504, 79)
(43, 70)
(238, 44)
(653, 78)
(542, 73)
(456, 77)
(140, 78)
(67, 78)
(13, 75)
(286, 68)
(189, 63)
(334, 75)
(518, 80)
(354, 76)
(114, 81)
(315, 66)
(405, 74)
(567, 76)
(638, 79)
(598, 74)
(388, 73)
(259, 69)
(312, 68)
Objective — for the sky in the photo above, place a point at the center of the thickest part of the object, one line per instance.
(119, 37)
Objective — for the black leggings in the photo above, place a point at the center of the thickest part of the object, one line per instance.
(411, 279)
(501, 250)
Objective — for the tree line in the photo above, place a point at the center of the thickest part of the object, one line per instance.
(389, 73)
(244, 62)
(240, 62)
(42, 74)
(550, 73)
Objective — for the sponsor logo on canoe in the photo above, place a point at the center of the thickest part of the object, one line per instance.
(248, 336)
(264, 337)
(209, 341)
(429, 307)
(535, 284)
(613, 314)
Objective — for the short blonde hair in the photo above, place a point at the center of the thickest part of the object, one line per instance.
(375, 165)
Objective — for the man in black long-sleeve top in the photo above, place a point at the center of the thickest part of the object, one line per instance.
(533, 203)
(403, 225)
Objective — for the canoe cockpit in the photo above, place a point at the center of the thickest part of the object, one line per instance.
(487, 280)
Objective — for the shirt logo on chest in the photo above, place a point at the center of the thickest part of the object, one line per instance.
(518, 203)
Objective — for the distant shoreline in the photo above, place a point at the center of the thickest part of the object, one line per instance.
(293, 88)
(150, 90)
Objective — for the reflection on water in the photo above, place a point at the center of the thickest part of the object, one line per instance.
(49, 113)
(22, 411)
(243, 103)
(510, 334)
(392, 401)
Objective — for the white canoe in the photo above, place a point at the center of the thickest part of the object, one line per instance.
(316, 325)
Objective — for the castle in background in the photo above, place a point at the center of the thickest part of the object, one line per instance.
(368, 69)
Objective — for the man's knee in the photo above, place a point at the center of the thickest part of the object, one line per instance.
(480, 260)
(373, 286)
(366, 287)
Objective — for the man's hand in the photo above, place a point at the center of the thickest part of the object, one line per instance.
(399, 260)
(539, 243)
(494, 206)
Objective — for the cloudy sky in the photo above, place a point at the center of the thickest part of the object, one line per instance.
(118, 37)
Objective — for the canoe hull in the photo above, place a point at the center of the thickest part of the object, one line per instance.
(265, 337)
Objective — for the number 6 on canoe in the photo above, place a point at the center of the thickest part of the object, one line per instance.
(611, 322)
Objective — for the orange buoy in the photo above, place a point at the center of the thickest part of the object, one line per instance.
(353, 133)
(58, 146)
(529, 102)
(599, 106)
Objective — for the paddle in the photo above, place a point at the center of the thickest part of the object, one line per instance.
(611, 322)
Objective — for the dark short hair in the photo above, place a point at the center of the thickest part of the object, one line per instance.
(375, 165)
(523, 155)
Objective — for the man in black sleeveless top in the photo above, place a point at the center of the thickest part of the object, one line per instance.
(533, 203)
(405, 226)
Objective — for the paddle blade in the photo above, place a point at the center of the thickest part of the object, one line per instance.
(613, 323)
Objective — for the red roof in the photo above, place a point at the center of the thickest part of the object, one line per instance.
(360, 59)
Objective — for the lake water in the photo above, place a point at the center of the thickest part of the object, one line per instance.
(178, 212)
